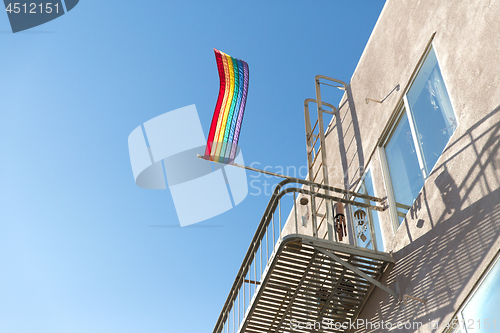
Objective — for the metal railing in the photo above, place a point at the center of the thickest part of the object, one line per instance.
(265, 242)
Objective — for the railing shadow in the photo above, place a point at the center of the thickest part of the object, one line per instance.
(438, 264)
(346, 120)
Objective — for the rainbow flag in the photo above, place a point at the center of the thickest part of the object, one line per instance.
(224, 132)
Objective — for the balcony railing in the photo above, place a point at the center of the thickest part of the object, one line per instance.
(268, 244)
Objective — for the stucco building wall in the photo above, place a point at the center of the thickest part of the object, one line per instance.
(452, 232)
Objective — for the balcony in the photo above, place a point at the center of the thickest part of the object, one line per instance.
(300, 273)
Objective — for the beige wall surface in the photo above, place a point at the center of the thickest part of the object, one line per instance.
(452, 231)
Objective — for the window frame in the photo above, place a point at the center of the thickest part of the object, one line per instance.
(386, 175)
(458, 317)
(403, 107)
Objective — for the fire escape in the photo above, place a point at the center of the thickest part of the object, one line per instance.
(301, 269)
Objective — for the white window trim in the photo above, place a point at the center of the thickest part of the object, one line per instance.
(413, 129)
(393, 212)
(458, 315)
(397, 115)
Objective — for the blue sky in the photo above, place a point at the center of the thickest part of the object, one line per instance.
(82, 248)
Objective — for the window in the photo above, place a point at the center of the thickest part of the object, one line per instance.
(367, 223)
(402, 162)
(426, 123)
(480, 312)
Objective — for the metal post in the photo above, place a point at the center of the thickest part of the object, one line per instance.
(309, 133)
(274, 237)
(244, 298)
(279, 236)
(295, 210)
(261, 272)
(267, 244)
(321, 128)
(255, 272)
(369, 218)
(313, 215)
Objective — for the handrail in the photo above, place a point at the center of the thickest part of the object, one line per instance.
(262, 228)
(243, 269)
(344, 85)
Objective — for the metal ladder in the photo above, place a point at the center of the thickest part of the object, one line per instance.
(315, 145)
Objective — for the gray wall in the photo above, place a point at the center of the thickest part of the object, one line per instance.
(452, 232)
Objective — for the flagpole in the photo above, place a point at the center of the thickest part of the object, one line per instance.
(251, 169)
(301, 181)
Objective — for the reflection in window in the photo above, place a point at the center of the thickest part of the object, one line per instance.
(407, 179)
(481, 313)
(431, 110)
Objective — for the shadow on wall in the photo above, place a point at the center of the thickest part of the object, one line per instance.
(349, 140)
(437, 265)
